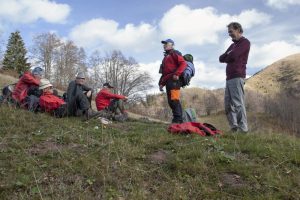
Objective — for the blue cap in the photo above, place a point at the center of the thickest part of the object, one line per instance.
(37, 71)
(168, 41)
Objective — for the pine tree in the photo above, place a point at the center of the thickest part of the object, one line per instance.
(15, 55)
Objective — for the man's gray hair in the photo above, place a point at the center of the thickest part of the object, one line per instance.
(236, 26)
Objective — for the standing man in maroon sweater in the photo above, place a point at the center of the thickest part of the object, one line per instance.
(171, 69)
(236, 57)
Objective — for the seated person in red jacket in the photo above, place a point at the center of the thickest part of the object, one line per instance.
(26, 81)
(49, 102)
(106, 100)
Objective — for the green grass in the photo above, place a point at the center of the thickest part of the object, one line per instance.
(47, 158)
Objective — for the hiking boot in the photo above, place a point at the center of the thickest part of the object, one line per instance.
(234, 130)
(121, 117)
(242, 131)
(175, 121)
(104, 121)
(89, 114)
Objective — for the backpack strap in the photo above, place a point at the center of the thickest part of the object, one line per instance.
(205, 129)
(212, 128)
(174, 54)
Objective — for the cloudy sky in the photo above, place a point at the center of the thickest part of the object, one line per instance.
(136, 27)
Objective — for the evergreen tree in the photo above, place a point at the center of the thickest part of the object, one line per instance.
(15, 55)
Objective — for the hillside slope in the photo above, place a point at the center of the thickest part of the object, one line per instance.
(283, 75)
(47, 158)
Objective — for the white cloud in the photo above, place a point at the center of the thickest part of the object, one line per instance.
(185, 25)
(103, 33)
(208, 76)
(28, 11)
(188, 27)
(262, 56)
(203, 25)
(297, 39)
(152, 68)
(282, 4)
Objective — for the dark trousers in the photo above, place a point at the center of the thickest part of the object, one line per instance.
(78, 105)
(173, 94)
(32, 103)
(61, 111)
(116, 106)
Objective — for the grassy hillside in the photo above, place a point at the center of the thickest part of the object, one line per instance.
(6, 79)
(281, 75)
(47, 158)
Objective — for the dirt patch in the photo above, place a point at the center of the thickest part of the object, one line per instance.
(231, 180)
(50, 146)
(238, 156)
(159, 157)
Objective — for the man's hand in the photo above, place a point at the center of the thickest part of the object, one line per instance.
(126, 99)
(89, 93)
(161, 88)
(175, 77)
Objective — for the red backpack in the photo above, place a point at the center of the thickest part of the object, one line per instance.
(204, 129)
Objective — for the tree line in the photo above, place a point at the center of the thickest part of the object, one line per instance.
(63, 59)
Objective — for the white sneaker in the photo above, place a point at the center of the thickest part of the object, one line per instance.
(104, 121)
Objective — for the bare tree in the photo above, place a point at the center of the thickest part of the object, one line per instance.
(285, 108)
(123, 73)
(95, 63)
(67, 64)
(44, 50)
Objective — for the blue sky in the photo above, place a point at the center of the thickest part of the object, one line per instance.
(136, 27)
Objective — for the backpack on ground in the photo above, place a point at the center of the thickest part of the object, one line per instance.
(7, 94)
(194, 127)
(189, 115)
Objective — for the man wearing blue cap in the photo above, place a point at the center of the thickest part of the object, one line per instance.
(27, 80)
(171, 69)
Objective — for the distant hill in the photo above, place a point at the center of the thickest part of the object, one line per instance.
(281, 76)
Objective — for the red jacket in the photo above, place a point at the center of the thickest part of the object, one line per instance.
(193, 127)
(104, 97)
(21, 88)
(172, 64)
(50, 102)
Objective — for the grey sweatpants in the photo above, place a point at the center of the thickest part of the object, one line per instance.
(235, 104)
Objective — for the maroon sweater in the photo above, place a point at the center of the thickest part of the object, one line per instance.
(236, 57)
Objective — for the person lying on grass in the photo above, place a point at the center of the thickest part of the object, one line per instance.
(111, 103)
